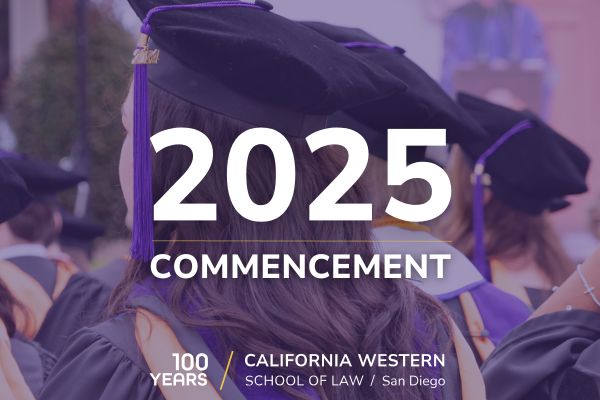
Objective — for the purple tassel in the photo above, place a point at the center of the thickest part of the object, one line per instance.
(479, 254)
(142, 237)
(372, 45)
(142, 241)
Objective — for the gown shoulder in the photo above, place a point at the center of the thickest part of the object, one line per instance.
(102, 363)
(551, 357)
(82, 303)
(34, 362)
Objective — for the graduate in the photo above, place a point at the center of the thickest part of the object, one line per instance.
(60, 298)
(484, 313)
(225, 67)
(505, 186)
(26, 365)
(560, 346)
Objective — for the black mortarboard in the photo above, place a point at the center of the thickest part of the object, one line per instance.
(424, 105)
(583, 163)
(240, 60)
(79, 231)
(532, 169)
(42, 178)
(530, 166)
(15, 196)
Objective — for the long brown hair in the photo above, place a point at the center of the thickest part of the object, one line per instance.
(509, 233)
(280, 316)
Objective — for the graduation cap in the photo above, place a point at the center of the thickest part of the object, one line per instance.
(15, 196)
(79, 231)
(42, 179)
(424, 105)
(528, 165)
(240, 60)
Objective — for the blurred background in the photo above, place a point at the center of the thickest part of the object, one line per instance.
(64, 70)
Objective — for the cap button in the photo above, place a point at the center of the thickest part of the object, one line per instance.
(264, 4)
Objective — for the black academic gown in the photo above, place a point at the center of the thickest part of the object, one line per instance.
(552, 357)
(34, 362)
(102, 363)
(114, 367)
(81, 303)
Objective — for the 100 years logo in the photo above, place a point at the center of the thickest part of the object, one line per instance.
(189, 370)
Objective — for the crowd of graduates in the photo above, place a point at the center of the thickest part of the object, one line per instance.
(514, 316)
